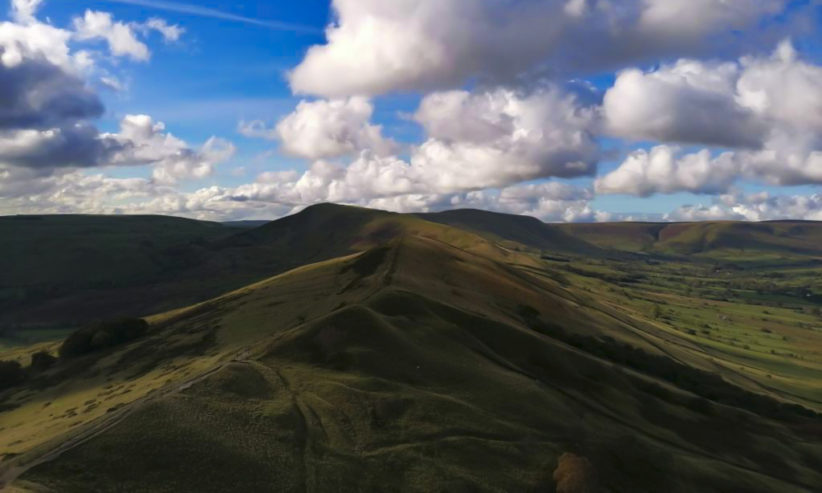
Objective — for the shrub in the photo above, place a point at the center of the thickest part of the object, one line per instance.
(11, 374)
(575, 475)
(103, 335)
(42, 361)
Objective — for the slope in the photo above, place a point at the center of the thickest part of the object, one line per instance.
(435, 360)
(64, 271)
(523, 230)
(737, 239)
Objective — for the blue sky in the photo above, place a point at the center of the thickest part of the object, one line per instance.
(232, 65)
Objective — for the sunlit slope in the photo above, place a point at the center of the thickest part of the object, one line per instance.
(522, 230)
(778, 237)
(432, 361)
(182, 346)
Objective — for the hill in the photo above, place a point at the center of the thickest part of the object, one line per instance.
(68, 270)
(521, 230)
(708, 238)
(410, 355)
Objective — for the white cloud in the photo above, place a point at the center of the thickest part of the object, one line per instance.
(325, 129)
(550, 202)
(498, 137)
(256, 129)
(691, 18)
(169, 32)
(754, 207)
(374, 46)
(34, 40)
(24, 191)
(121, 38)
(690, 101)
(731, 104)
(769, 107)
(23, 10)
(491, 138)
(554, 202)
(145, 142)
(665, 169)
(140, 142)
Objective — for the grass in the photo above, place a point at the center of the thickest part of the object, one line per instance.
(410, 355)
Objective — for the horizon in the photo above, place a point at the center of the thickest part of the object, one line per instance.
(567, 111)
(443, 211)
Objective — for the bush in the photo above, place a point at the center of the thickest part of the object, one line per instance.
(11, 374)
(575, 475)
(103, 335)
(42, 361)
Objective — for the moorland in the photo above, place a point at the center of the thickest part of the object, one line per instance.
(348, 349)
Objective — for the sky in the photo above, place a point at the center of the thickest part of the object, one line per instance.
(565, 110)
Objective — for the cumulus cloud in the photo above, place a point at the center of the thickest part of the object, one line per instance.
(769, 108)
(34, 40)
(78, 145)
(488, 138)
(35, 93)
(690, 101)
(325, 129)
(23, 10)
(47, 109)
(498, 137)
(374, 47)
(741, 104)
(753, 207)
(121, 38)
(664, 169)
(551, 201)
(690, 18)
(145, 142)
(140, 142)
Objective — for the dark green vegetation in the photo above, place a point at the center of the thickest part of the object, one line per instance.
(103, 335)
(62, 272)
(463, 351)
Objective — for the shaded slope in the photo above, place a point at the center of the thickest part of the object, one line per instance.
(65, 271)
(89, 250)
(413, 367)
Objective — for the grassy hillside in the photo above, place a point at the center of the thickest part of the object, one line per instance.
(733, 239)
(46, 258)
(63, 271)
(436, 359)
(520, 230)
(68, 270)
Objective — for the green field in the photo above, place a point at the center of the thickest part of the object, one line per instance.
(344, 349)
